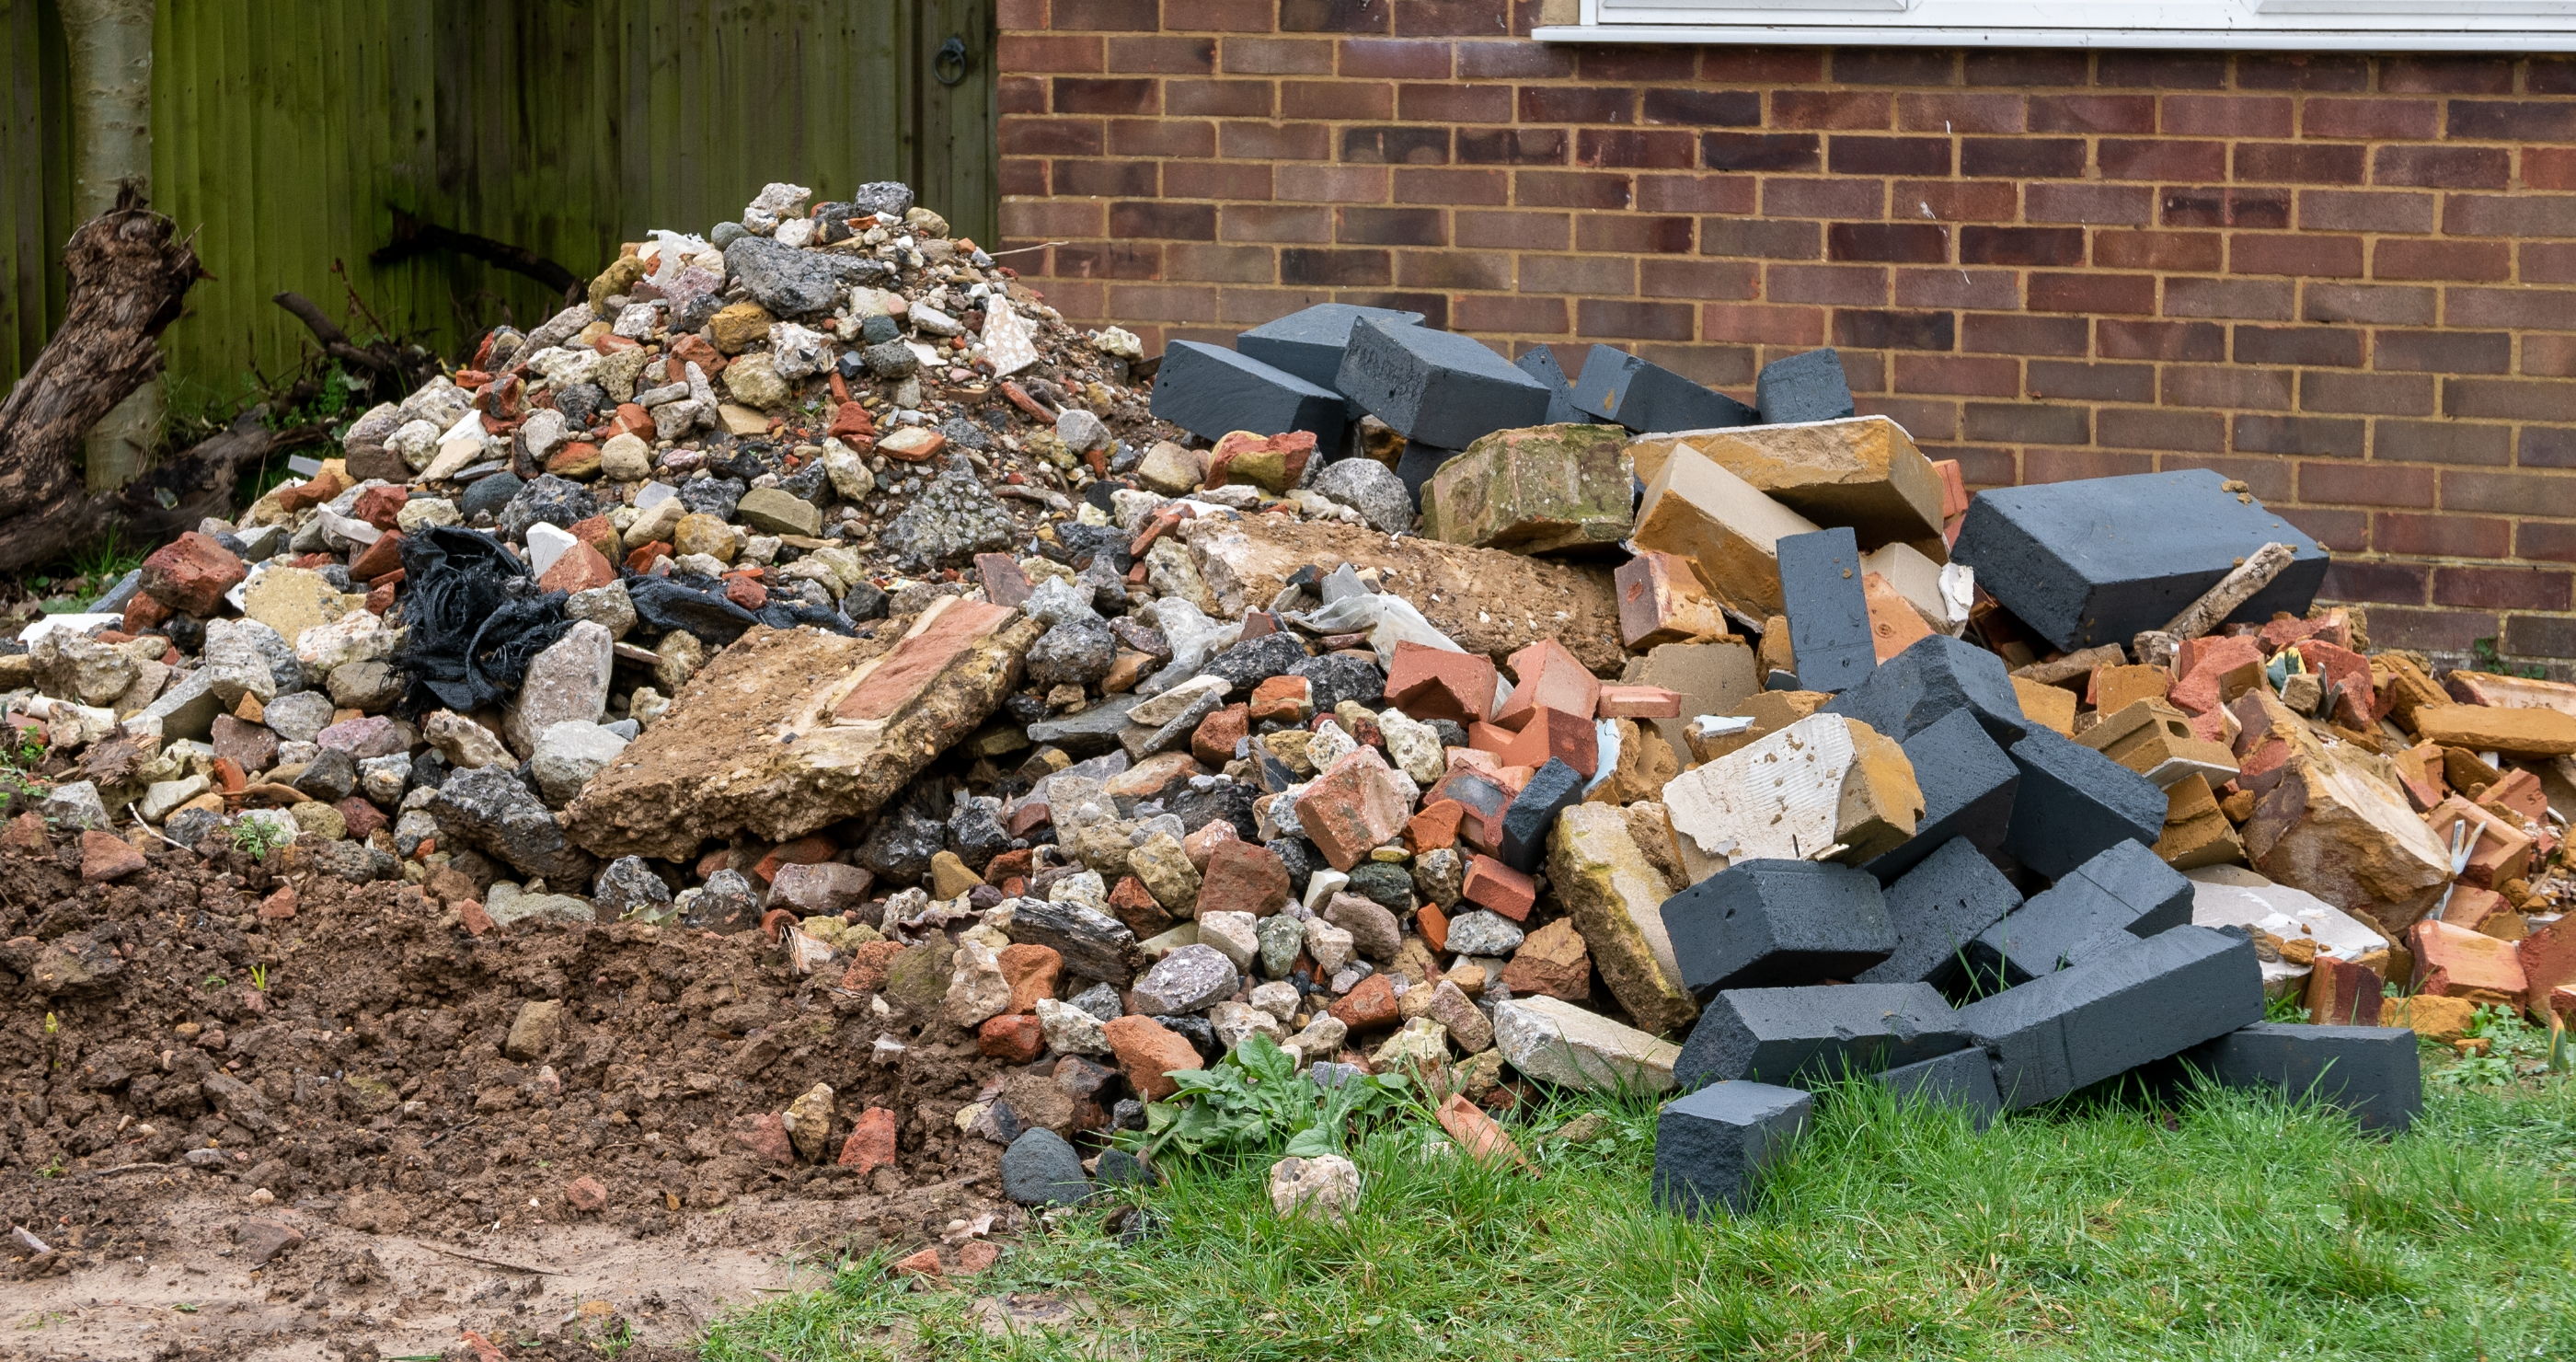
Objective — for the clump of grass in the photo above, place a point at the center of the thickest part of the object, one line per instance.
(2233, 1226)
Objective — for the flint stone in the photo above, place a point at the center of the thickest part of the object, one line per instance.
(492, 810)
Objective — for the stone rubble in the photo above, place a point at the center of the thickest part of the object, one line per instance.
(844, 601)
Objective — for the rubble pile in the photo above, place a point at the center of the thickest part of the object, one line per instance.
(813, 586)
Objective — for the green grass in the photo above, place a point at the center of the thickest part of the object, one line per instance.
(2236, 1227)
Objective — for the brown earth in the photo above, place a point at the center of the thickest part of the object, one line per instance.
(150, 1087)
(1486, 600)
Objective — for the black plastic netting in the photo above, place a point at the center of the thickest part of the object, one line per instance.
(475, 617)
(666, 603)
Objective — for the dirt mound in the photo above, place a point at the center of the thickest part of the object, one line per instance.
(356, 1061)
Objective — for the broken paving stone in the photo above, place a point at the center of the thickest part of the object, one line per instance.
(1614, 897)
(1553, 1040)
(1542, 489)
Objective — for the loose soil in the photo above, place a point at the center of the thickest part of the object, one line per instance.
(151, 1087)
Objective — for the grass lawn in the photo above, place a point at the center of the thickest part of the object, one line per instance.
(2235, 1227)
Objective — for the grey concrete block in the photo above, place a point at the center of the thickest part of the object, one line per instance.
(1540, 363)
(1968, 786)
(1712, 1146)
(1808, 387)
(1552, 789)
(2098, 560)
(2073, 804)
(1934, 677)
(1962, 1078)
(1776, 923)
(1643, 395)
(1309, 342)
(1806, 1037)
(2111, 1012)
(1436, 386)
(1939, 908)
(2127, 888)
(1208, 390)
(1416, 464)
(2374, 1072)
(1820, 587)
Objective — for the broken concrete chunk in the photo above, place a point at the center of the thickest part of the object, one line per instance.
(1615, 898)
(787, 732)
(2099, 560)
(1824, 788)
(1541, 489)
(1557, 1042)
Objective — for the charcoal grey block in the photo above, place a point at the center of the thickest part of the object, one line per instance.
(1643, 395)
(1777, 923)
(1808, 1037)
(1309, 342)
(2074, 804)
(2373, 1072)
(2127, 888)
(2111, 1012)
(1436, 386)
(1934, 677)
(1808, 387)
(1539, 362)
(1968, 786)
(1416, 464)
(1712, 1146)
(1962, 1078)
(1820, 587)
(1938, 909)
(1552, 789)
(1208, 390)
(2098, 560)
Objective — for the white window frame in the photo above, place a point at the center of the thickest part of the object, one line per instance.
(2511, 27)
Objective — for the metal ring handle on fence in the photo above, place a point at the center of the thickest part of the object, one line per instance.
(949, 67)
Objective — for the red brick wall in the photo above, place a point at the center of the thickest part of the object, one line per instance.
(2349, 281)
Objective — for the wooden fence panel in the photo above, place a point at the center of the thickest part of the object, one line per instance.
(287, 132)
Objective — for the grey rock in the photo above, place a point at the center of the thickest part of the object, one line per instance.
(383, 780)
(718, 497)
(299, 717)
(628, 887)
(489, 495)
(568, 755)
(1101, 1001)
(370, 687)
(607, 606)
(950, 522)
(1040, 1169)
(489, 808)
(892, 361)
(330, 777)
(1186, 980)
(885, 198)
(567, 683)
(784, 279)
(727, 904)
(554, 500)
(1483, 933)
(1282, 937)
(1076, 652)
(1370, 488)
(898, 849)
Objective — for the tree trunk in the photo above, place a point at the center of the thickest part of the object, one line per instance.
(110, 47)
(128, 277)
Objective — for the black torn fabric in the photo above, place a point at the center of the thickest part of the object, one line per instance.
(664, 604)
(676, 602)
(474, 620)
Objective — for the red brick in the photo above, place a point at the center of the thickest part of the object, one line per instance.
(1960, 113)
(1703, 108)
(1949, 287)
(1827, 198)
(1798, 326)
(2017, 335)
(1761, 151)
(2308, 254)
(1277, 56)
(1964, 375)
(1329, 99)
(1831, 109)
(1331, 184)
(1579, 274)
(1636, 148)
(2226, 386)
(2195, 252)
(1695, 194)
(2449, 75)
(2227, 115)
(2119, 205)
(2161, 159)
(1888, 329)
(2302, 71)
(2523, 215)
(2095, 293)
(1848, 155)
(1699, 279)
(1075, 16)
(2390, 583)
(2538, 309)
(2474, 260)
(2449, 536)
(2132, 428)
(1402, 58)
(1902, 242)
(2068, 465)
(2249, 299)
(1570, 189)
(2021, 245)
(2377, 120)
(2503, 120)
(2028, 423)
(1464, 188)
(1333, 16)
(2256, 208)
(1161, 137)
(1274, 141)
(2161, 70)
(2451, 442)
(2544, 540)
(1956, 200)
(2436, 167)
(2298, 163)
(1175, 56)
(2069, 381)
(1492, 884)
(2368, 394)
(2339, 531)
(2026, 68)
(1039, 53)
(2549, 167)
(2361, 484)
